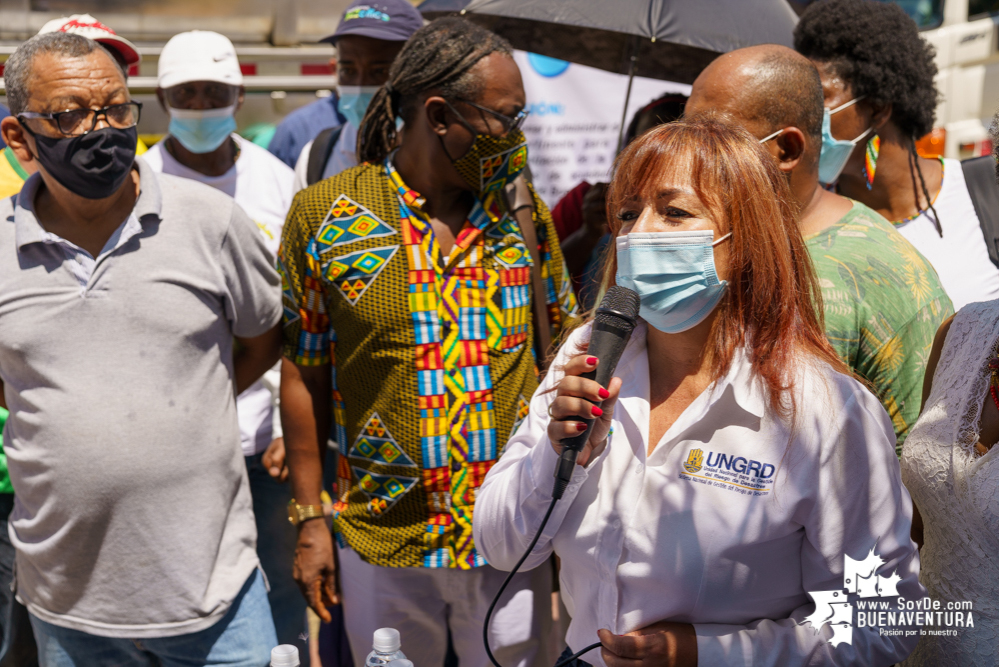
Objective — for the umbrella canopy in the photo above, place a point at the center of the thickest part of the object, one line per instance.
(434, 8)
(665, 39)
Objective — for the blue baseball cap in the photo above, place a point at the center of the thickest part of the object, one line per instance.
(389, 20)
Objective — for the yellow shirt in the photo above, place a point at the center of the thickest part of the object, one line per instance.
(13, 175)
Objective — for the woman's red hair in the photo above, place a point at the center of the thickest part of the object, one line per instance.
(773, 305)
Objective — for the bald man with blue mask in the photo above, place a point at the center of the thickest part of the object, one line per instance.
(865, 267)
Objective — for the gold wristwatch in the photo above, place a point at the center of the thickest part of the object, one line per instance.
(299, 513)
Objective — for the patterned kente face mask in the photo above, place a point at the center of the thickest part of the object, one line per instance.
(492, 162)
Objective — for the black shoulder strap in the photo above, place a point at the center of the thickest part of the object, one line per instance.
(980, 176)
(319, 155)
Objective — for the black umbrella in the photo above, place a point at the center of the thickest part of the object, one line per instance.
(660, 39)
(435, 8)
(670, 39)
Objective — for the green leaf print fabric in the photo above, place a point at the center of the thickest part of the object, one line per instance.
(883, 305)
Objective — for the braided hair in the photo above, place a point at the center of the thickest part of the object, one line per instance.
(438, 57)
(914, 169)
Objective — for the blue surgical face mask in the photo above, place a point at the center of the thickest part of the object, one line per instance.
(202, 130)
(353, 102)
(674, 274)
(835, 152)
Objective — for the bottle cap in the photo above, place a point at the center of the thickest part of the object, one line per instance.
(285, 655)
(387, 640)
(401, 662)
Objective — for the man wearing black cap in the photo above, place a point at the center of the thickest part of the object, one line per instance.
(370, 34)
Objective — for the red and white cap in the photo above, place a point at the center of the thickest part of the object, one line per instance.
(86, 25)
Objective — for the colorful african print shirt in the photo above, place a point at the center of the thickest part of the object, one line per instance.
(433, 362)
(883, 305)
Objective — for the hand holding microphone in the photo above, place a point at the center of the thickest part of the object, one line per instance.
(582, 409)
(578, 397)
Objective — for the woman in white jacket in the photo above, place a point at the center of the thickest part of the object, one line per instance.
(737, 479)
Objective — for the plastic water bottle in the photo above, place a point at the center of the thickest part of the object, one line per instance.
(385, 648)
(285, 655)
(400, 663)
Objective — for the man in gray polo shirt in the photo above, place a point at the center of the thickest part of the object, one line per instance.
(133, 307)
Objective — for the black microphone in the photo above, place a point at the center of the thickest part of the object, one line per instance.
(612, 326)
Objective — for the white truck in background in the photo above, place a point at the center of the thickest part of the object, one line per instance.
(966, 38)
(283, 64)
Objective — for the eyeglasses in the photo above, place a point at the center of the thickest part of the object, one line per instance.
(77, 122)
(509, 123)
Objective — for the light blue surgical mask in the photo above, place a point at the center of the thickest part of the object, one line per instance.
(674, 275)
(353, 102)
(202, 130)
(835, 152)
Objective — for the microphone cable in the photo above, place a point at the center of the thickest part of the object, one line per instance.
(492, 606)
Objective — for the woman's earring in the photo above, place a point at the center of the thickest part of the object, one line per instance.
(871, 159)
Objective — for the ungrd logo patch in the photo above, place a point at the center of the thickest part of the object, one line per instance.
(694, 461)
(737, 474)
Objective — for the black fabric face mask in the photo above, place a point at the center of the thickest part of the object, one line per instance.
(93, 165)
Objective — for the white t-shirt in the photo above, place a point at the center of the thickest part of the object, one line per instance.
(960, 257)
(262, 185)
(344, 156)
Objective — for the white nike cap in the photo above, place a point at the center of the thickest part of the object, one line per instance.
(199, 55)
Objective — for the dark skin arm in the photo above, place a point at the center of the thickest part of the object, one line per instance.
(274, 460)
(253, 356)
(931, 363)
(251, 359)
(306, 414)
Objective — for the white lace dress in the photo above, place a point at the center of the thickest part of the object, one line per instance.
(957, 493)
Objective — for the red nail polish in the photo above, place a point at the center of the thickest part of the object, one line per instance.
(595, 411)
(580, 427)
(603, 393)
(591, 361)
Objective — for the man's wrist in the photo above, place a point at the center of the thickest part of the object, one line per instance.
(305, 522)
(299, 514)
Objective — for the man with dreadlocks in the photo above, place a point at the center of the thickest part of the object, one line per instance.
(408, 323)
(877, 79)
